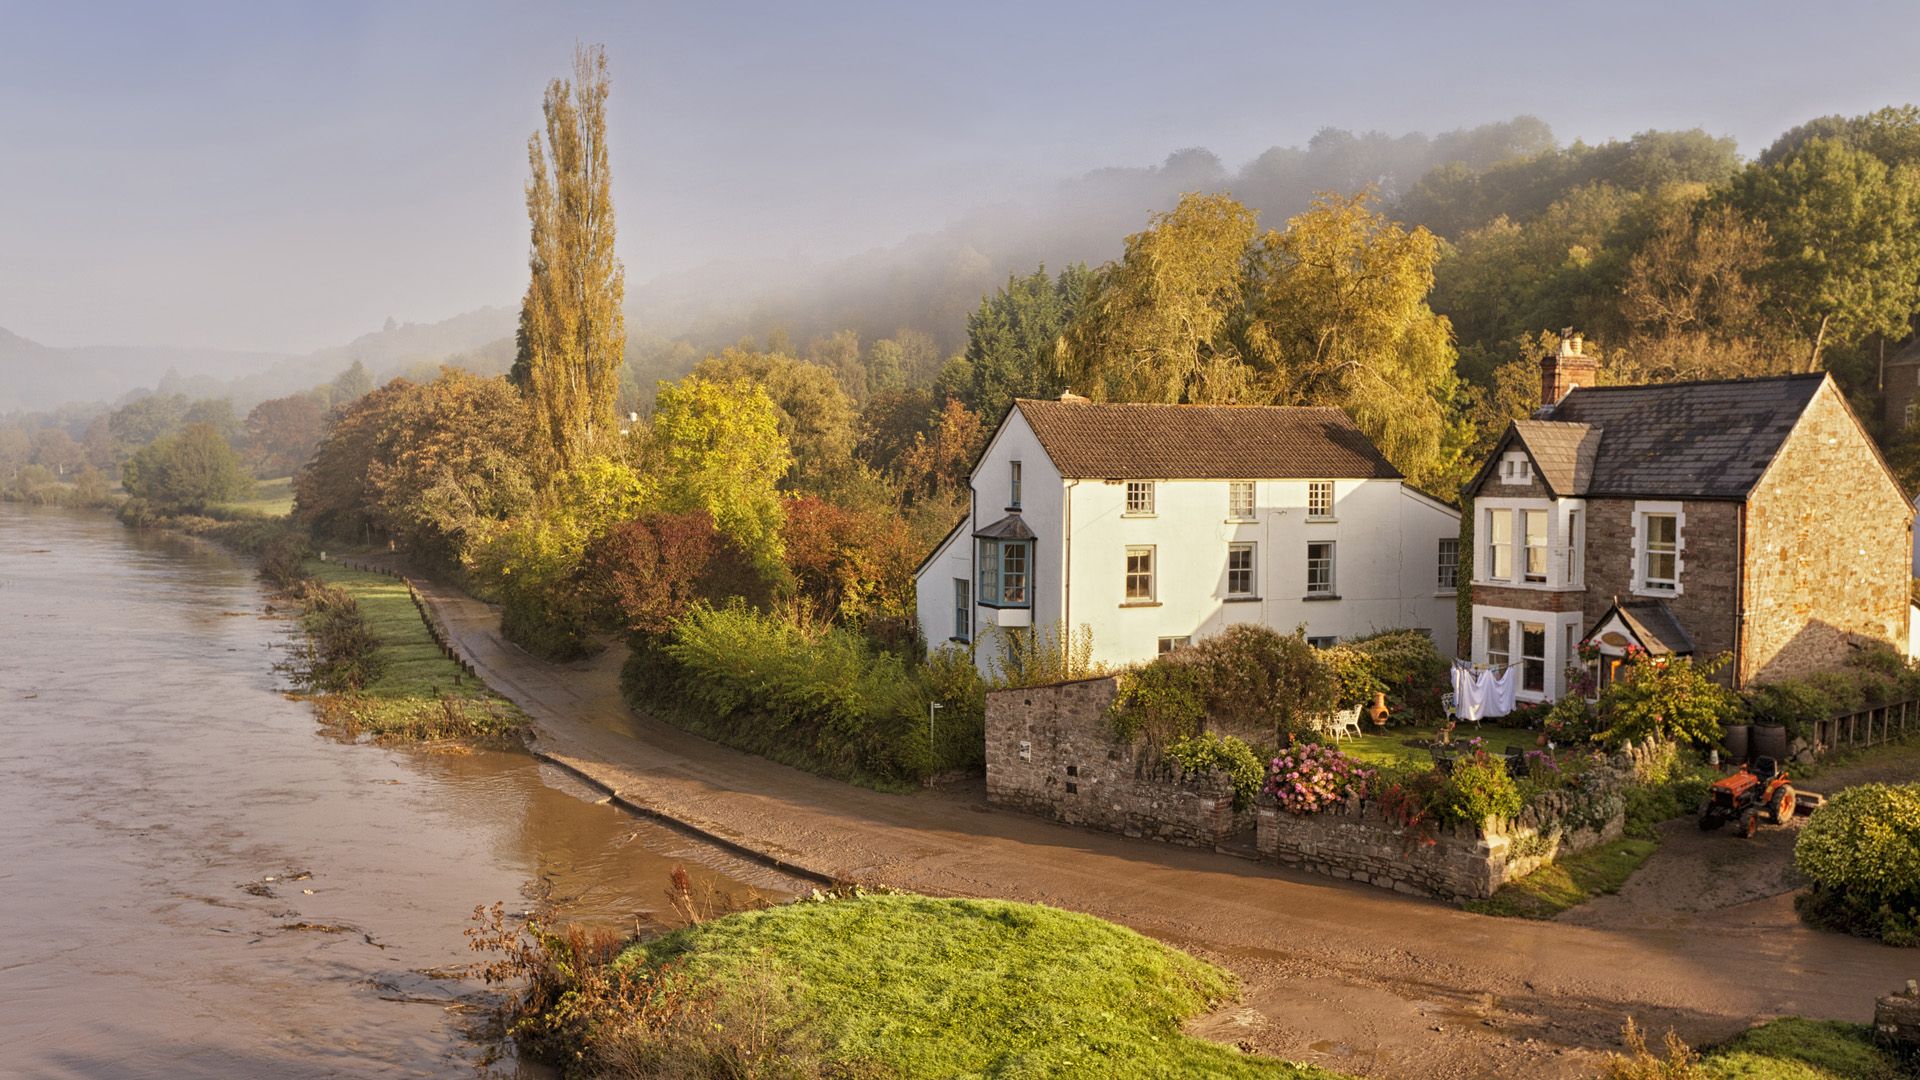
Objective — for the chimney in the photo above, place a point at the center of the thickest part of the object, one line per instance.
(1563, 371)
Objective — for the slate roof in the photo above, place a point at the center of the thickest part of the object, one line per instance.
(1010, 527)
(1088, 440)
(1698, 440)
(1654, 624)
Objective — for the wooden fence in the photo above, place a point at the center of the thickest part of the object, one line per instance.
(435, 629)
(1868, 727)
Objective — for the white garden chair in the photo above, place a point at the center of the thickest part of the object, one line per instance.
(1345, 724)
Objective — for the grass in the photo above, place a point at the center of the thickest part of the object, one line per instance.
(1569, 882)
(915, 986)
(1796, 1049)
(419, 693)
(271, 499)
(1390, 751)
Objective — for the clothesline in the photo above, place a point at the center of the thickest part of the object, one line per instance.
(1483, 692)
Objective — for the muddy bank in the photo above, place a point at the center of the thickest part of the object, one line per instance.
(201, 883)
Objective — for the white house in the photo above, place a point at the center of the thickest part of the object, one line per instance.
(1157, 524)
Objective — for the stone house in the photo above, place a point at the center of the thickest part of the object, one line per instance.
(1900, 387)
(1154, 525)
(1750, 516)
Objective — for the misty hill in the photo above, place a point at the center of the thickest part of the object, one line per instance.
(36, 376)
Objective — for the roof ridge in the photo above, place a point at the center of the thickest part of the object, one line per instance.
(1177, 405)
(1791, 376)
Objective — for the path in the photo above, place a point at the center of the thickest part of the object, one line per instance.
(1344, 975)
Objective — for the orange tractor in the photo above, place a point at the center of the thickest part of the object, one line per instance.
(1759, 789)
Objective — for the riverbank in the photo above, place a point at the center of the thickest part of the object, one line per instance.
(1335, 974)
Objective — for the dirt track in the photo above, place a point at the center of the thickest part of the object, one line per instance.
(1342, 975)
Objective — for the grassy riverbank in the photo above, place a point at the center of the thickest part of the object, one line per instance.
(416, 692)
(895, 985)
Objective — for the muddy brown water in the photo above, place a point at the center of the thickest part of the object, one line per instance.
(196, 881)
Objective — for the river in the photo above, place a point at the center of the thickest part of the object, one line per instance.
(196, 881)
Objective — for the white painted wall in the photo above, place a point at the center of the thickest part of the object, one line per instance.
(1386, 539)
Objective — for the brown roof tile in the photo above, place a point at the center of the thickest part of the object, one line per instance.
(1088, 440)
(1565, 452)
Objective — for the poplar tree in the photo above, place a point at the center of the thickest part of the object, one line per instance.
(572, 335)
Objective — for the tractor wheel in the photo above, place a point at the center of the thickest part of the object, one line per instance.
(1710, 821)
(1749, 824)
(1783, 804)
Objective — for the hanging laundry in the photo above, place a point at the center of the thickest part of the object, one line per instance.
(1502, 694)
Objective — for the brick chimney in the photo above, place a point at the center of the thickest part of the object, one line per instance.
(1562, 371)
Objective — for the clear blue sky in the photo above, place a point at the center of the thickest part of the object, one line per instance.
(284, 176)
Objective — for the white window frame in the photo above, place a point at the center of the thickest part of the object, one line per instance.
(1529, 660)
(1013, 485)
(1574, 523)
(1504, 656)
(1168, 644)
(1320, 500)
(1561, 628)
(1447, 565)
(1240, 500)
(1330, 587)
(1542, 552)
(1324, 641)
(1642, 584)
(1251, 570)
(1140, 498)
(1149, 575)
(1516, 468)
(962, 609)
(1497, 547)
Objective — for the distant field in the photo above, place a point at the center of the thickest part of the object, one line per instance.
(271, 499)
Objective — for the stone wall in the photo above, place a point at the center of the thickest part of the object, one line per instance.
(1709, 569)
(1829, 550)
(1051, 751)
(1357, 842)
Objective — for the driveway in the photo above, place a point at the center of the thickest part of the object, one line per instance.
(1343, 975)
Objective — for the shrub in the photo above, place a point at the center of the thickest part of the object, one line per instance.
(1041, 655)
(1228, 756)
(1165, 700)
(280, 557)
(1308, 778)
(1570, 722)
(341, 648)
(1405, 666)
(960, 733)
(1666, 698)
(1258, 679)
(1479, 788)
(1866, 840)
(1352, 671)
(821, 699)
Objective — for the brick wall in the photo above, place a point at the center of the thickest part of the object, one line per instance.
(1357, 842)
(1051, 751)
(1829, 549)
(1708, 568)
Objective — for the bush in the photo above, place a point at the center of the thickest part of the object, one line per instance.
(1570, 722)
(821, 699)
(1405, 666)
(1479, 788)
(1862, 853)
(1040, 655)
(340, 649)
(1165, 700)
(1261, 680)
(280, 557)
(1230, 757)
(960, 734)
(1667, 698)
(1873, 676)
(1308, 778)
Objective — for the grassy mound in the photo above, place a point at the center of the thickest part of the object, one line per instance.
(913, 986)
(418, 693)
(1796, 1049)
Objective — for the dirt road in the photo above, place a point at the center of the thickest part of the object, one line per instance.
(1343, 975)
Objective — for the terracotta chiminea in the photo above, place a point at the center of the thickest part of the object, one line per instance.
(1378, 710)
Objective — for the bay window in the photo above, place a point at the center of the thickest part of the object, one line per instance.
(1533, 657)
(1004, 568)
(1535, 522)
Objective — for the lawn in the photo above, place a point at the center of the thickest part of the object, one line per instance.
(915, 986)
(419, 692)
(1568, 882)
(1796, 1049)
(1391, 752)
(271, 499)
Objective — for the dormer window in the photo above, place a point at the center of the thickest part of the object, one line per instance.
(1515, 468)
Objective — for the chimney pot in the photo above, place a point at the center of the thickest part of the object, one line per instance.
(1567, 369)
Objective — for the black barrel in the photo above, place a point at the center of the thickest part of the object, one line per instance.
(1735, 741)
(1770, 740)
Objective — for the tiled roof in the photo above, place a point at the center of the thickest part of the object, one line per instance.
(1654, 624)
(1564, 452)
(1086, 440)
(1710, 440)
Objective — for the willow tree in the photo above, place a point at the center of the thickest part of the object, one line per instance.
(572, 335)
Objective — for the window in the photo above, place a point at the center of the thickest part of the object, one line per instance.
(1533, 657)
(1323, 642)
(1449, 577)
(1013, 486)
(1660, 559)
(1139, 574)
(962, 609)
(1319, 498)
(1499, 545)
(1140, 497)
(1240, 580)
(1574, 568)
(1320, 569)
(1168, 644)
(1536, 525)
(1911, 414)
(1499, 643)
(1240, 500)
(1515, 468)
(1004, 566)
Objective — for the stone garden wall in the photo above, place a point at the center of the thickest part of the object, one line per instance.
(1051, 751)
(1357, 842)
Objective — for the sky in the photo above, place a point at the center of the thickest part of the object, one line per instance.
(286, 176)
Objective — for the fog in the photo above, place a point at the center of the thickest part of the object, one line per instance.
(228, 190)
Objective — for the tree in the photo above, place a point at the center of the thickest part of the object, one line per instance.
(16, 451)
(1340, 317)
(333, 495)
(283, 433)
(216, 413)
(572, 334)
(652, 570)
(57, 451)
(187, 471)
(140, 422)
(1843, 239)
(816, 416)
(716, 447)
(451, 462)
(1154, 327)
(1690, 305)
(939, 461)
(350, 385)
(855, 565)
(1013, 338)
